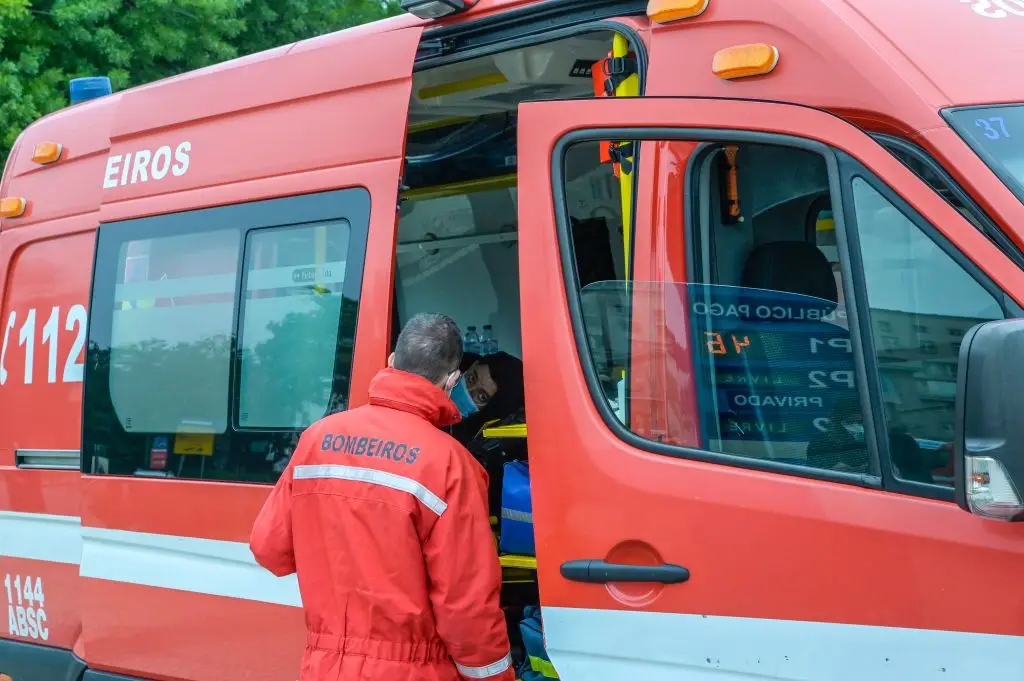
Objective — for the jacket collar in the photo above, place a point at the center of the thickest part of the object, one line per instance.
(413, 394)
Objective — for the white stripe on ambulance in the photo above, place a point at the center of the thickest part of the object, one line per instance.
(582, 643)
(139, 166)
(37, 536)
(616, 644)
(206, 566)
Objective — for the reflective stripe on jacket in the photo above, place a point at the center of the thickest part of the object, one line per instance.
(384, 518)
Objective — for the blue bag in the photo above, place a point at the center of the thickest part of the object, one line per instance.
(516, 510)
(537, 665)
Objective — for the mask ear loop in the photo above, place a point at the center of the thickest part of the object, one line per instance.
(451, 382)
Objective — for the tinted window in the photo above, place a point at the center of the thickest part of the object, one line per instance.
(750, 354)
(922, 301)
(218, 335)
(920, 164)
(294, 289)
(171, 334)
(997, 135)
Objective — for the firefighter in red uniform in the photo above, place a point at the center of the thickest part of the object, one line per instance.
(384, 518)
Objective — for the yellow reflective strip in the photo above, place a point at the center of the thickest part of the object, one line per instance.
(439, 123)
(513, 430)
(543, 667)
(626, 189)
(627, 88)
(510, 560)
(631, 86)
(465, 85)
(466, 187)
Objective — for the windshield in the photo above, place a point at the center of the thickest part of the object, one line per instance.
(996, 133)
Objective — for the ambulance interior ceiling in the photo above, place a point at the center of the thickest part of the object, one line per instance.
(498, 83)
(458, 227)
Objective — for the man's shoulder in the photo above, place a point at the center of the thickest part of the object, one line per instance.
(347, 430)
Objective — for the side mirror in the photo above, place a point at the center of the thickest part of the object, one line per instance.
(988, 447)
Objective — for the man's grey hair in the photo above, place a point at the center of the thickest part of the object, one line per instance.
(430, 346)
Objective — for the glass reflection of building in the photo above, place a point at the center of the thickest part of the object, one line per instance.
(917, 360)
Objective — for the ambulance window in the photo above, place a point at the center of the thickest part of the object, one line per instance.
(928, 169)
(773, 355)
(922, 301)
(170, 342)
(596, 229)
(752, 336)
(217, 335)
(291, 319)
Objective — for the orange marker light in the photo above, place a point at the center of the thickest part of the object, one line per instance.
(12, 206)
(47, 152)
(667, 11)
(742, 61)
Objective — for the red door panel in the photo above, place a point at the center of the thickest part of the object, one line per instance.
(764, 550)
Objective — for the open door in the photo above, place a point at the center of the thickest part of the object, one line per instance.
(804, 529)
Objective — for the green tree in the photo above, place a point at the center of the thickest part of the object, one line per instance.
(44, 44)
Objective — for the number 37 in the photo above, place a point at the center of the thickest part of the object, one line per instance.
(994, 127)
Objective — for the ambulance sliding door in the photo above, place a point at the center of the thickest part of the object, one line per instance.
(232, 306)
(765, 537)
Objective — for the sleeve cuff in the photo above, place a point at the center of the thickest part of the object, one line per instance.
(487, 670)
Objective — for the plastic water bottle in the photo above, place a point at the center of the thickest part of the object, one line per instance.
(488, 343)
(471, 344)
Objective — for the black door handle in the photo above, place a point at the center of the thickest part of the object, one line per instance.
(600, 572)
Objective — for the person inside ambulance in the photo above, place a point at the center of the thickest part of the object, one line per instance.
(490, 389)
(383, 516)
(490, 393)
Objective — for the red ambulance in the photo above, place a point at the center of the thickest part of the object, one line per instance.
(762, 262)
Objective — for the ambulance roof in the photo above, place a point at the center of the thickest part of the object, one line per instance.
(969, 50)
(951, 52)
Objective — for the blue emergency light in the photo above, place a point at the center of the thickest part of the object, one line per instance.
(93, 87)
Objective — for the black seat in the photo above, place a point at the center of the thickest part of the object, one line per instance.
(801, 268)
(796, 268)
(790, 266)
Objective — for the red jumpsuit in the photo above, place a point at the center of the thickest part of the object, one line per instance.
(384, 518)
